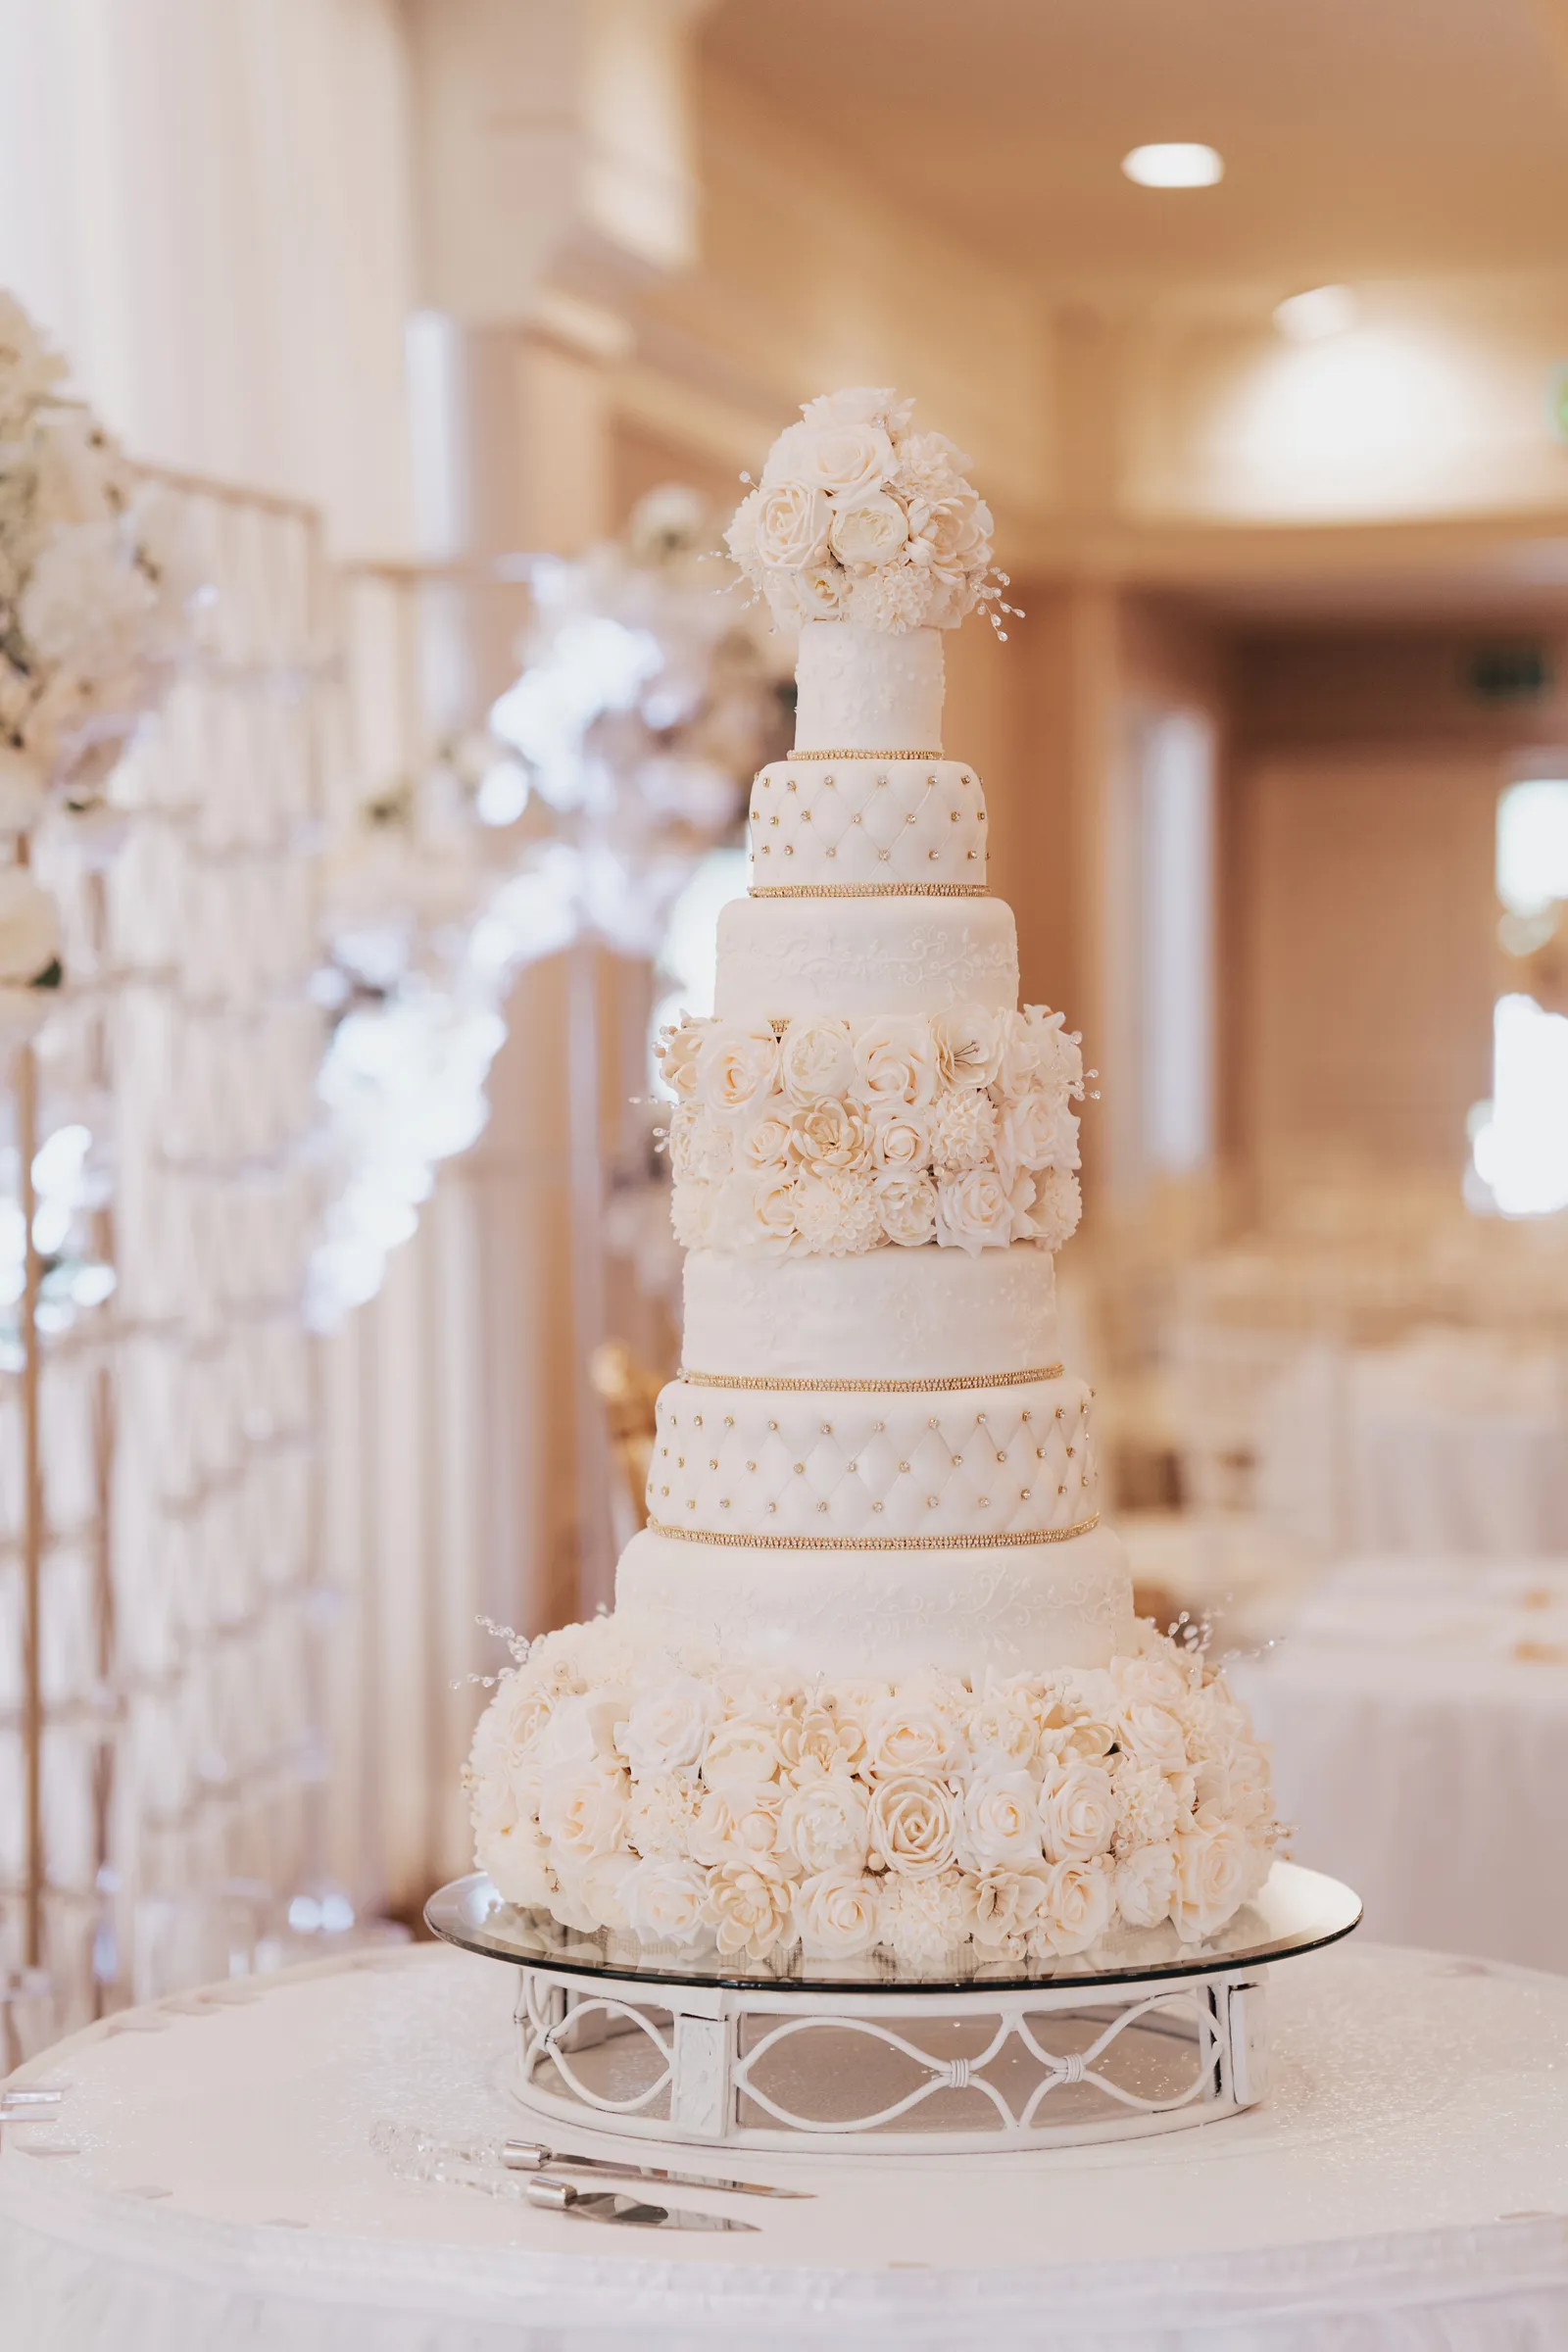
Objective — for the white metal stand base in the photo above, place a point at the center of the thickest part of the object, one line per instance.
(798, 2068)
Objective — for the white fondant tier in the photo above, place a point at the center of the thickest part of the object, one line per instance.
(874, 690)
(844, 822)
(779, 959)
(881, 1614)
(933, 1467)
(893, 1315)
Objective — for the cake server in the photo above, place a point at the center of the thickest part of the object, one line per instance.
(621, 2212)
(532, 2156)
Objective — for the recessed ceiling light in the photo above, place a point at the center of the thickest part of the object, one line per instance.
(1320, 312)
(1177, 164)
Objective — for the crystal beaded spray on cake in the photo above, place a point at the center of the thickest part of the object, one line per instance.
(873, 1680)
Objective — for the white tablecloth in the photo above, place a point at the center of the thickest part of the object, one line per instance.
(215, 2179)
(1451, 1443)
(1418, 1713)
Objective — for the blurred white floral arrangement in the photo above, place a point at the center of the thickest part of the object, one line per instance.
(859, 517)
(95, 602)
(690, 1803)
(827, 1135)
(616, 760)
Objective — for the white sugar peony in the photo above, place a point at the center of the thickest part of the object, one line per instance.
(831, 1135)
(815, 1059)
(871, 532)
(738, 1823)
(746, 1748)
(815, 591)
(906, 1206)
(1003, 1730)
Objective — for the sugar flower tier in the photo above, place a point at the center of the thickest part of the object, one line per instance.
(873, 1689)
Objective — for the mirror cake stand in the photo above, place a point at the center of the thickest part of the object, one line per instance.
(1146, 2035)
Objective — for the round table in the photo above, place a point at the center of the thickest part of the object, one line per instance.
(1419, 1715)
(223, 2170)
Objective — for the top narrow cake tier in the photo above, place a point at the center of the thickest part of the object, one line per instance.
(867, 689)
(840, 823)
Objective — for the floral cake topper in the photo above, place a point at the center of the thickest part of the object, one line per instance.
(859, 518)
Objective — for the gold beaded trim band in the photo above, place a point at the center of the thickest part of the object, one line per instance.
(868, 890)
(1045, 1535)
(878, 1387)
(888, 756)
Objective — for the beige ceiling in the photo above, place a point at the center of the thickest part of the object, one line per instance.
(1361, 137)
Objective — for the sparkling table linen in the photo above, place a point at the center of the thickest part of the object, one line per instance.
(1419, 1715)
(251, 2167)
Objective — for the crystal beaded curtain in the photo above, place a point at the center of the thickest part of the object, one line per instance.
(172, 1549)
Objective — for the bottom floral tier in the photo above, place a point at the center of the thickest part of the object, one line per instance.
(699, 1803)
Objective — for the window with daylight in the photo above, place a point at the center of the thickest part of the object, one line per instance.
(1520, 1151)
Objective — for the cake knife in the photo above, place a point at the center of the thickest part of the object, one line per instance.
(624, 2212)
(532, 2156)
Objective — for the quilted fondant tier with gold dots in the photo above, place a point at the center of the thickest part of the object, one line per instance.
(937, 1465)
(847, 823)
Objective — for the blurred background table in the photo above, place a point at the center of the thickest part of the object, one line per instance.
(1418, 1712)
(1452, 1441)
(235, 2166)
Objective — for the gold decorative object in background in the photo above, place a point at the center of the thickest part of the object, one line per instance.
(629, 1393)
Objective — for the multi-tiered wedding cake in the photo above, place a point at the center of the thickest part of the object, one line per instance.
(873, 1676)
